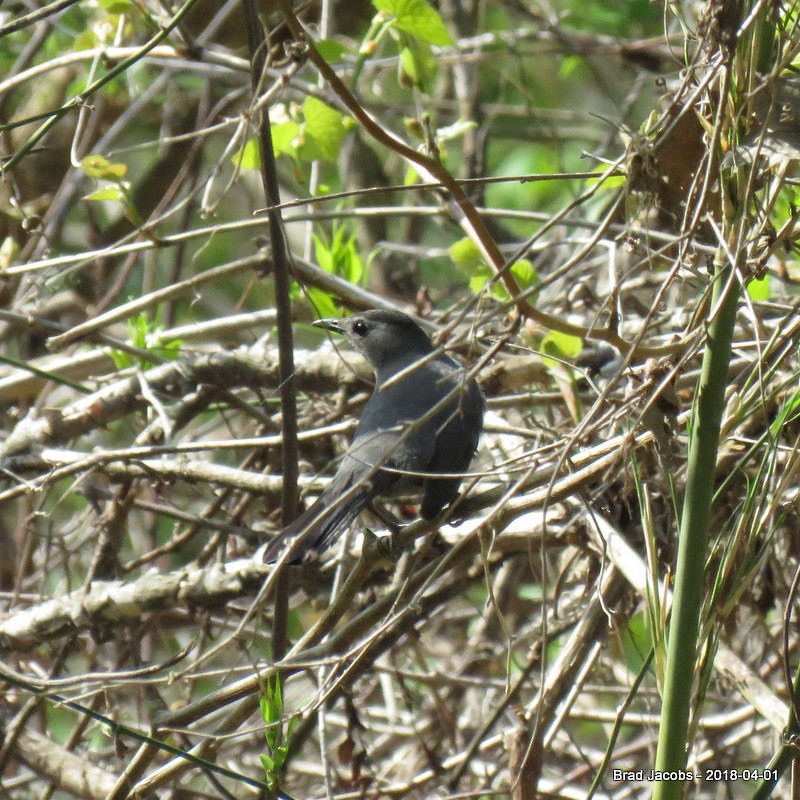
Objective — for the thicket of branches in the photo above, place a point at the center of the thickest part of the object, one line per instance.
(591, 204)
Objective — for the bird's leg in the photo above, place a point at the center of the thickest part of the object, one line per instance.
(387, 545)
(392, 522)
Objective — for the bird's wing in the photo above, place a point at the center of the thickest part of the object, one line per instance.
(384, 455)
(389, 434)
(455, 445)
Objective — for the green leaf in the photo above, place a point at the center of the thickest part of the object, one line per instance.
(285, 138)
(570, 65)
(481, 277)
(138, 328)
(323, 254)
(525, 273)
(323, 131)
(121, 359)
(294, 724)
(347, 260)
(331, 50)
(170, 349)
(323, 303)
(417, 18)
(266, 708)
(249, 156)
(85, 40)
(341, 257)
(759, 289)
(418, 65)
(353, 267)
(145, 335)
(280, 754)
(414, 129)
(267, 763)
(116, 6)
(270, 708)
(411, 176)
(96, 166)
(468, 258)
(561, 346)
(609, 183)
(466, 255)
(455, 131)
(107, 193)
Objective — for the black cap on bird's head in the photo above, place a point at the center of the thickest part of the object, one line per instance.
(389, 340)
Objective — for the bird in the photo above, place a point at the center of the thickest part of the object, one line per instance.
(422, 421)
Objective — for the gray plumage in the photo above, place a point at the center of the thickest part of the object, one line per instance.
(399, 431)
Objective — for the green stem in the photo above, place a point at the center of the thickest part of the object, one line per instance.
(693, 537)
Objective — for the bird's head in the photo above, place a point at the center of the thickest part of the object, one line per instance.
(389, 340)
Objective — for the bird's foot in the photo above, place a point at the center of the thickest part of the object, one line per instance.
(387, 546)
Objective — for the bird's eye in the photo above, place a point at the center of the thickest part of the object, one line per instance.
(360, 327)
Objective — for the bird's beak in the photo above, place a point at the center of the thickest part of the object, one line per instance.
(334, 325)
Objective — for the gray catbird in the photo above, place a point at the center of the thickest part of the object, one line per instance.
(425, 420)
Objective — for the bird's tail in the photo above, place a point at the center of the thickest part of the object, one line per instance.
(318, 527)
